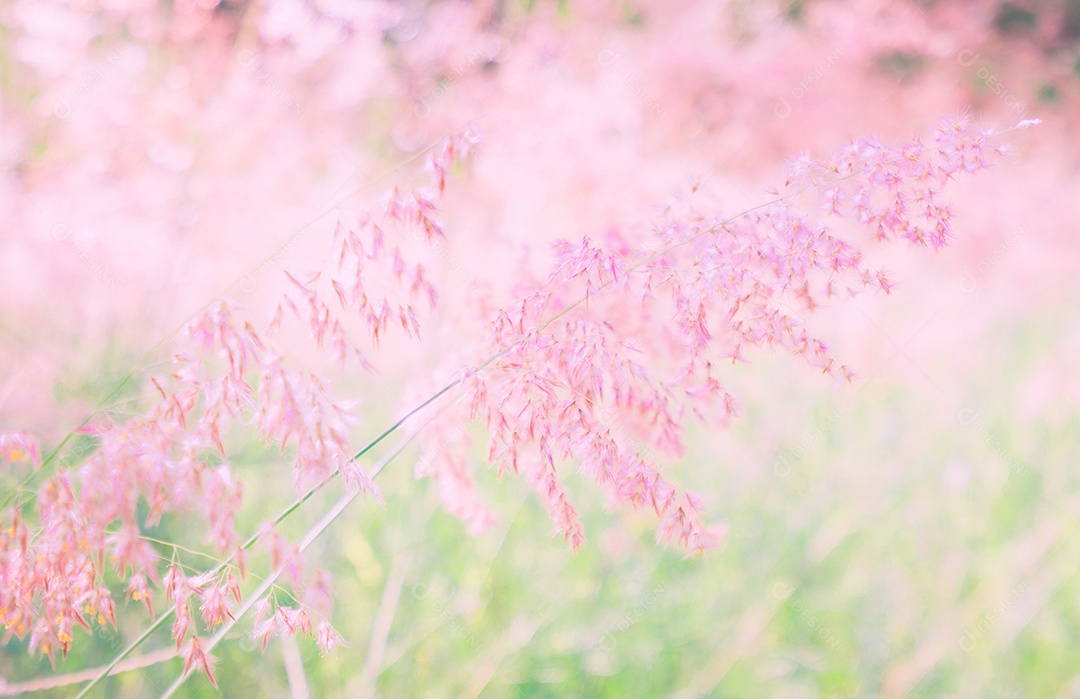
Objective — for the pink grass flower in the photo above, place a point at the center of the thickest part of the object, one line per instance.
(195, 655)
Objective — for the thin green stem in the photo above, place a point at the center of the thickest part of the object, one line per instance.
(255, 537)
(165, 616)
(308, 539)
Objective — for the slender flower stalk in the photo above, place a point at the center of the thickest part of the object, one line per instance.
(613, 385)
(602, 363)
(173, 458)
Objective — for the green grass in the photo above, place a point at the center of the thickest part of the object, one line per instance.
(899, 556)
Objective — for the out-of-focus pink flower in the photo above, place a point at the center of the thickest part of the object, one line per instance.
(327, 638)
(19, 446)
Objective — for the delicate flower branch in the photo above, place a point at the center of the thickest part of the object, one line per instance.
(649, 355)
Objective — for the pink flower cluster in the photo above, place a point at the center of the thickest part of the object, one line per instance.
(18, 447)
(173, 458)
(602, 363)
